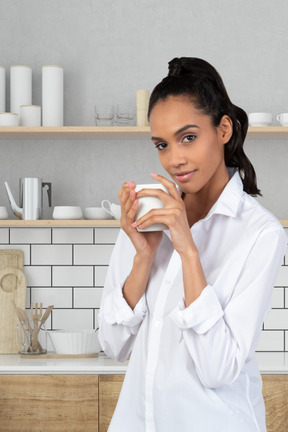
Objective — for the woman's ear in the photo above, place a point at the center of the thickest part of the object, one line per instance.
(225, 129)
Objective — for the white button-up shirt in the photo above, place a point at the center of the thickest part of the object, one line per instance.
(193, 369)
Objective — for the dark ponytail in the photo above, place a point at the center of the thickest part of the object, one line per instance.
(201, 83)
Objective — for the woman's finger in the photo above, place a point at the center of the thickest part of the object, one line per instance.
(168, 184)
(166, 216)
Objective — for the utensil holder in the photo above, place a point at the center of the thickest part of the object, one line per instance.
(25, 338)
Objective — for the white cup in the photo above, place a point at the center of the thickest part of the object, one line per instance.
(30, 115)
(260, 119)
(283, 119)
(148, 203)
(96, 213)
(3, 213)
(113, 209)
(9, 119)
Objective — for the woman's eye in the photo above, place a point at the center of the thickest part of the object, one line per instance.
(189, 138)
(160, 146)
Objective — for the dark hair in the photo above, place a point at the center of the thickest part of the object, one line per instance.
(199, 81)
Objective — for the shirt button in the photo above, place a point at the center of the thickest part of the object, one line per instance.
(157, 323)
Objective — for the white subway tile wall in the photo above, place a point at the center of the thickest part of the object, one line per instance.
(67, 267)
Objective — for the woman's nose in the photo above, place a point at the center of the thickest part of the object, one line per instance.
(176, 158)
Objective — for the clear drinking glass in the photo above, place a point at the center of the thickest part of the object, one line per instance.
(125, 115)
(104, 115)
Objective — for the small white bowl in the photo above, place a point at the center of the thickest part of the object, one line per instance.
(96, 213)
(75, 342)
(260, 119)
(67, 212)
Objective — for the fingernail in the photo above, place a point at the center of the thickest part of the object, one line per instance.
(154, 175)
(134, 224)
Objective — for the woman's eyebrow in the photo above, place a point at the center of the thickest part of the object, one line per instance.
(188, 126)
(177, 132)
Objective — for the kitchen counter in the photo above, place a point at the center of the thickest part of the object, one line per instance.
(269, 363)
(15, 364)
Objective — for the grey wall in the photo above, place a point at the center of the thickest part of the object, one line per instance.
(108, 50)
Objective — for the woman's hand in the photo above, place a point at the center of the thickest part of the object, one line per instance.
(173, 215)
(146, 244)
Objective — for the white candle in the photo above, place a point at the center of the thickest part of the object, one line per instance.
(52, 95)
(20, 87)
(142, 107)
(9, 119)
(2, 90)
(30, 115)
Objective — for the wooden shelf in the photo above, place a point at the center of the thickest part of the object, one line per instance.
(59, 223)
(115, 133)
(74, 132)
(72, 223)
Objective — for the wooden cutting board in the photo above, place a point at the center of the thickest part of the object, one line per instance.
(12, 288)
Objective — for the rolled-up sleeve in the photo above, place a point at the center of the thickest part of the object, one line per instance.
(200, 315)
(220, 338)
(118, 323)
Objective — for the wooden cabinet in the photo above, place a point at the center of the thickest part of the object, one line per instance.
(109, 390)
(275, 392)
(84, 403)
(49, 403)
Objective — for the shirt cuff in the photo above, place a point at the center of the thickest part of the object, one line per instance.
(200, 315)
(117, 310)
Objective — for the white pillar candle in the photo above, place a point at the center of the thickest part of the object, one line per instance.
(30, 115)
(142, 107)
(20, 87)
(2, 90)
(52, 95)
(9, 119)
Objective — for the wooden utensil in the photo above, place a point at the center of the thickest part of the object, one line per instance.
(12, 288)
(21, 322)
(45, 316)
(36, 316)
(25, 320)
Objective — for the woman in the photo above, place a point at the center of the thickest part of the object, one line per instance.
(188, 304)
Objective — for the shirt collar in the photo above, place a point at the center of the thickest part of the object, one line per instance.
(228, 202)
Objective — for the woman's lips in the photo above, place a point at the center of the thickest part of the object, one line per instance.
(182, 177)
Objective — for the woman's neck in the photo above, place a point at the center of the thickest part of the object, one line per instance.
(199, 204)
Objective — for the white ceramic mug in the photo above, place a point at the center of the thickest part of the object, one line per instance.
(283, 119)
(96, 213)
(113, 209)
(148, 203)
(260, 119)
(9, 119)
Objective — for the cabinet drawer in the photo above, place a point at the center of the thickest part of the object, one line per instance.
(109, 390)
(50, 403)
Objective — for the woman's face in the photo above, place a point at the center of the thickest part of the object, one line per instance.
(190, 148)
